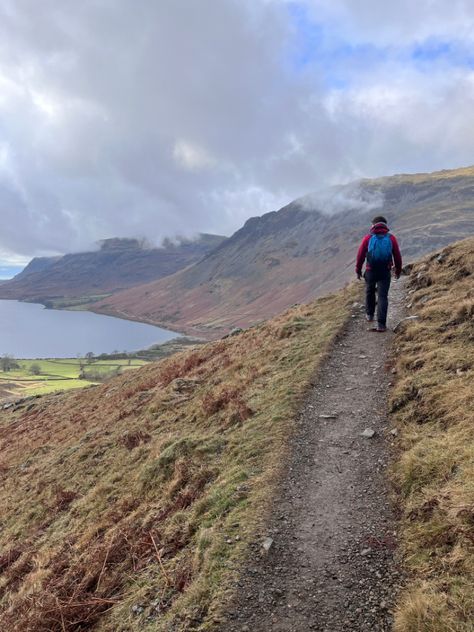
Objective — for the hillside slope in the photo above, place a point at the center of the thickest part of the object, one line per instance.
(300, 252)
(120, 263)
(433, 407)
(128, 506)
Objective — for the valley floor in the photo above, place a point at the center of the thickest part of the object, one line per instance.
(58, 374)
(332, 563)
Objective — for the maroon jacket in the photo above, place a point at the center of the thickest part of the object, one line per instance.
(378, 229)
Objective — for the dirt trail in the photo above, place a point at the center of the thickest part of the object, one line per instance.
(331, 566)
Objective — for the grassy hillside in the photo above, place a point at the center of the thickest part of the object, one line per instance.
(433, 407)
(302, 251)
(128, 506)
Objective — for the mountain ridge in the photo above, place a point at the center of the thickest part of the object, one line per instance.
(299, 252)
(118, 264)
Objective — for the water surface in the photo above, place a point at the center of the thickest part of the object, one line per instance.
(28, 330)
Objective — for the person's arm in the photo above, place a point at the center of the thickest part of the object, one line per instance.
(397, 257)
(361, 255)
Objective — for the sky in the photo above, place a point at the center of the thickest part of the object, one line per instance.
(172, 117)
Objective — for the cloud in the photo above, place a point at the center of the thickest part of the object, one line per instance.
(118, 120)
(351, 197)
(173, 117)
(191, 156)
(13, 259)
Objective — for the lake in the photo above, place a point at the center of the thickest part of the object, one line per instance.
(28, 330)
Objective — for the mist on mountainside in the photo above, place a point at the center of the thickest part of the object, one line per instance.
(352, 197)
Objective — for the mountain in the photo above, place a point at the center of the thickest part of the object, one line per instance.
(304, 250)
(118, 264)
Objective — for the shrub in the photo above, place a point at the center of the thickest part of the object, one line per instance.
(35, 369)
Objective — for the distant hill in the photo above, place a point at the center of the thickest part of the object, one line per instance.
(304, 250)
(118, 264)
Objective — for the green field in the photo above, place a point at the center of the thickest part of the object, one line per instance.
(59, 375)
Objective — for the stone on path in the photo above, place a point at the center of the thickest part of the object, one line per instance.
(405, 321)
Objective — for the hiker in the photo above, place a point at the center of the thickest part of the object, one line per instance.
(381, 250)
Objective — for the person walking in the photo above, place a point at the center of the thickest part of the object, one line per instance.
(380, 250)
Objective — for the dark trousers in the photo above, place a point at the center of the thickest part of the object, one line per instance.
(377, 283)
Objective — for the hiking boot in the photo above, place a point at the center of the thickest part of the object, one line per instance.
(379, 328)
(369, 319)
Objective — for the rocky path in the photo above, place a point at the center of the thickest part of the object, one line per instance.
(331, 564)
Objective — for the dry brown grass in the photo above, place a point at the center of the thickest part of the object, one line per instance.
(129, 506)
(433, 407)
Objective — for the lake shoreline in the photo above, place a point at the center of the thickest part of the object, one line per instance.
(88, 307)
(194, 332)
(27, 326)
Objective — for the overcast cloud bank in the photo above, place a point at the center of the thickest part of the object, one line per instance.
(174, 117)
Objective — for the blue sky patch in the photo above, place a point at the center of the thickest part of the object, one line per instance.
(319, 46)
(337, 60)
(7, 272)
(431, 52)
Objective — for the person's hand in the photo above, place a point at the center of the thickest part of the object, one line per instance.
(359, 275)
(397, 276)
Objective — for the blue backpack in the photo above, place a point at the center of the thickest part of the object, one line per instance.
(379, 254)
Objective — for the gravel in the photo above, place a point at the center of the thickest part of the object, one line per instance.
(332, 563)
